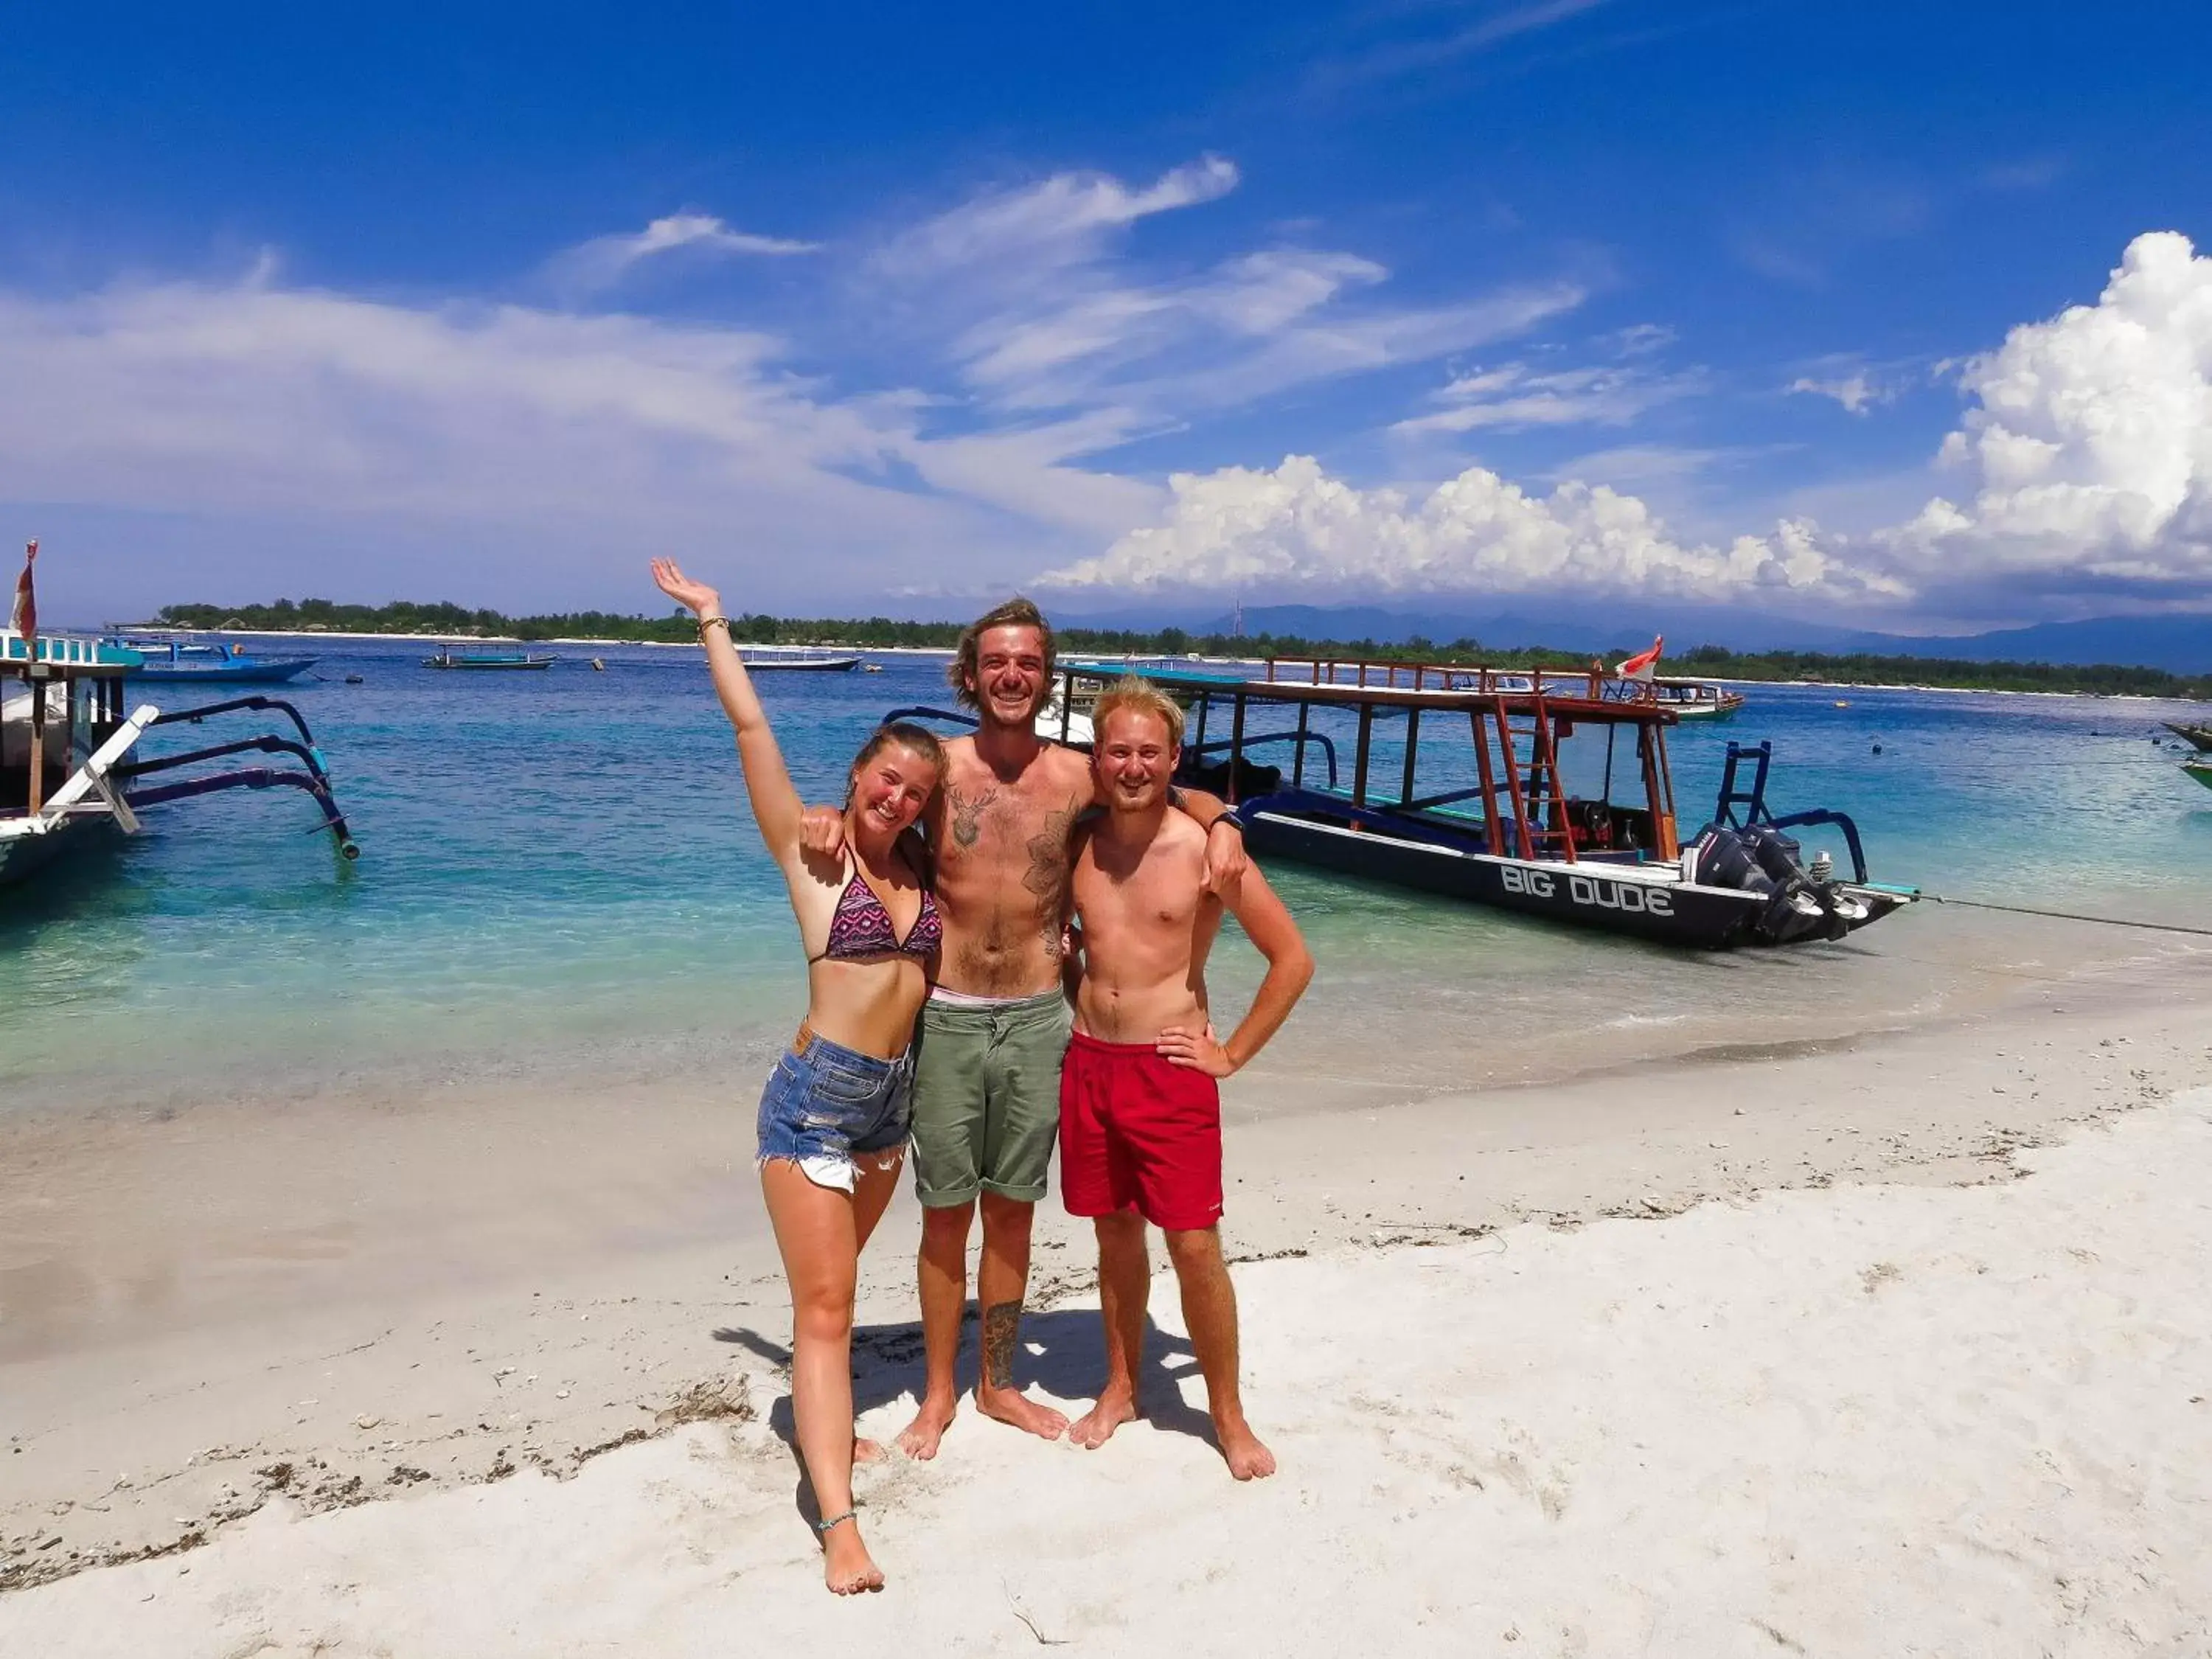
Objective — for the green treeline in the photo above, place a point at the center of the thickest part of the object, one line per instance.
(315, 615)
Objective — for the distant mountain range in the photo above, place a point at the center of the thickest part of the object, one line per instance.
(2179, 644)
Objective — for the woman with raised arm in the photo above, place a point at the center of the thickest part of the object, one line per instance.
(833, 1119)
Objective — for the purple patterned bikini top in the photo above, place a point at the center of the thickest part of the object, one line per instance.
(861, 927)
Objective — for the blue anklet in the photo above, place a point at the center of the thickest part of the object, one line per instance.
(836, 1520)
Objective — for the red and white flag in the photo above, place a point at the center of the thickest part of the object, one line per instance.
(1642, 665)
(23, 617)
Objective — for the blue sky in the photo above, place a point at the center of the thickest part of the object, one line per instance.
(893, 307)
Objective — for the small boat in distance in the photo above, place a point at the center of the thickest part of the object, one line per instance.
(196, 662)
(760, 659)
(449, 658)
(1696, 700)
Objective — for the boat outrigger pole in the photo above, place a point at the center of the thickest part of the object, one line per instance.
(315, 780)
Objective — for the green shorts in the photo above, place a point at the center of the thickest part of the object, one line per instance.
(986, 1099)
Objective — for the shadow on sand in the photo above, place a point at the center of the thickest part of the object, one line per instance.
(1063, 1353)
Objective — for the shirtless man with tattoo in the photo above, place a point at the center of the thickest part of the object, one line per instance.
(1140, 1105)
(995, 1028)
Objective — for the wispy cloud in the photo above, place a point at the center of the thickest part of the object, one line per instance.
(569, 429)
(1039, 306)
(1487, 33)
(1512, 396)
(594, 266)
(1648, 463)
(245, 403)
(1056, 220)
(2032, 172)
(1857, 392)
(1861, 386)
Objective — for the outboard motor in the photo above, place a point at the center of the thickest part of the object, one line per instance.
(1778, 853)
(1723, 860)
(1762, 860)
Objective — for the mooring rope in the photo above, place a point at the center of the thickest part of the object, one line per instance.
(2070, 915)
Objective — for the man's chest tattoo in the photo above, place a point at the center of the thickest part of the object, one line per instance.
(1047, 878)
(967, 813)
(1047, 851)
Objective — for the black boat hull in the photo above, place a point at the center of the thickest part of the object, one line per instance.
(1592, 896)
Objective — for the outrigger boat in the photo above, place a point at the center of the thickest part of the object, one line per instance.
(2199, 736)
(61, 714)
(193, 662)
(449, 658)
(1508, 827)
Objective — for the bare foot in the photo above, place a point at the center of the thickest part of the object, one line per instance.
(1096, 1426)
(865, 1451)
(919, 1437)
(847, 1566)
(1011, 1406)
(1247, 1458)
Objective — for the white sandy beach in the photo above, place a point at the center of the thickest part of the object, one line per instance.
(1896, 1344)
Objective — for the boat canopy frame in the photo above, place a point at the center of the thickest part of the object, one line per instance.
(1516, 722)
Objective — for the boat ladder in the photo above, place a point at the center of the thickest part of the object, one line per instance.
(1529, 759)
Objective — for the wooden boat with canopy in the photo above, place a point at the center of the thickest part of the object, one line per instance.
(1529, 789)
(65, 719)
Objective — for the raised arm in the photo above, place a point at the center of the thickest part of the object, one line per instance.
(776, 805)
(1267, 924)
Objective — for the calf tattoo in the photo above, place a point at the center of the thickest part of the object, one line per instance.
(1002, 1323)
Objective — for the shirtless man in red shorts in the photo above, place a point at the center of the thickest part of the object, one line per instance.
(1140, 1101)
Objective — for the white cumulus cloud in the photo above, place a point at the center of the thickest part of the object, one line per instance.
(2087, 448)
(1294, 526)
(2089, 453)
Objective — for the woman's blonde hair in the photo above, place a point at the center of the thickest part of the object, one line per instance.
(1139, 695)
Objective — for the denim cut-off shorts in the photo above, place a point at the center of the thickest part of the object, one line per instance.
(827, 1107)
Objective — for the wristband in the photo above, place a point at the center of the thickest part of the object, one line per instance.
(706, 622)
(1228, 818)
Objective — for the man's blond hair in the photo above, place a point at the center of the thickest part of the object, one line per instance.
(1140, 695)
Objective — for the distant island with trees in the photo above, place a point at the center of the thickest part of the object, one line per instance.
(1710, 661)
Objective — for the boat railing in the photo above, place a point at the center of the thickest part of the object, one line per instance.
(64, 651)
(1383, 674)
(1740, 809)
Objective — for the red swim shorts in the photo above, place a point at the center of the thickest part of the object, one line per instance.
(1137, 1134)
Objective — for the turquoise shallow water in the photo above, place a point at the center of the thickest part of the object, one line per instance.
(559, 873)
